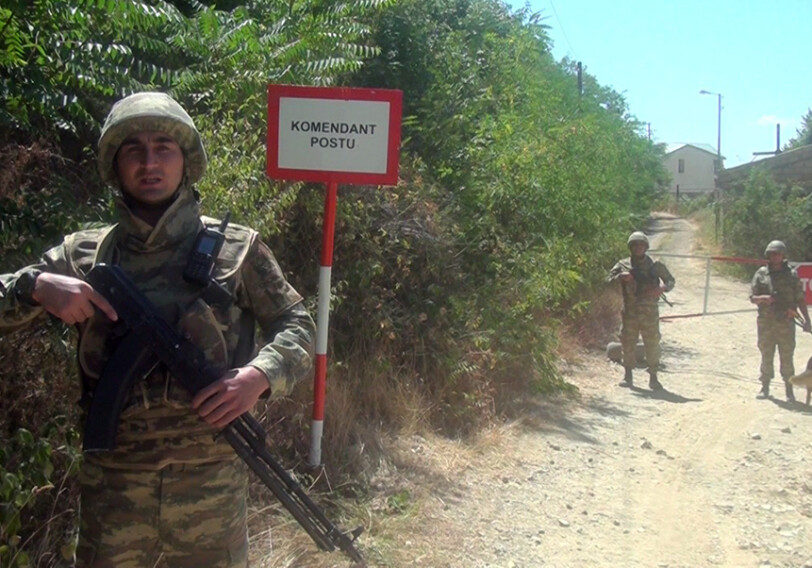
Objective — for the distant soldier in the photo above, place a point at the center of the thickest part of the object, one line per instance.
(776, 290)
(642, 281)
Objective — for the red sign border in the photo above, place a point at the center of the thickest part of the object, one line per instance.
(393, 97)
(803, 267)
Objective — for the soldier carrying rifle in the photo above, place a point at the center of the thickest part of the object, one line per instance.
(642, 281)
(776, 290)
(170, 493)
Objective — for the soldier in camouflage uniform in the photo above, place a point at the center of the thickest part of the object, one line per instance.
(642, 281)
(776, 290)
(170, 493)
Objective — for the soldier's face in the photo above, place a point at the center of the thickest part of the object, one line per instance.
(149, 165)
(638, 249)
(775, 258)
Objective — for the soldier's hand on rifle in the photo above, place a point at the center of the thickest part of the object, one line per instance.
(763, 299)
(654, 291)
(70, 299)
(626, 277)
(234, 394)
(803, 319)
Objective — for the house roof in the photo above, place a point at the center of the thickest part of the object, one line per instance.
(669, 148)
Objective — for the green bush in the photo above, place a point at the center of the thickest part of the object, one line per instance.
(761, 211)
(31, 487)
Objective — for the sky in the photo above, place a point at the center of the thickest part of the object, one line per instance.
(659, 54)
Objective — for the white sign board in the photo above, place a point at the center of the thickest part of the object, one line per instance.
(330, 135)
(333, 134)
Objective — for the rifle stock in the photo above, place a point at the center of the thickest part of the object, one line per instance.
(154, 339)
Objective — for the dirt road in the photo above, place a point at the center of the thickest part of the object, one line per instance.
(703, 474)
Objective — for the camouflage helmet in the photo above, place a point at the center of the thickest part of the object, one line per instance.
(150, 111)
(775, 246)
(637, 237)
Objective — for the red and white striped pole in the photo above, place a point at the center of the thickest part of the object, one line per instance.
(322, 323)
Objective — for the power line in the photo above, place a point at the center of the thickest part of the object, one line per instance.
(563, 32)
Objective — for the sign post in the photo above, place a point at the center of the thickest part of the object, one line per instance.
(331, 135)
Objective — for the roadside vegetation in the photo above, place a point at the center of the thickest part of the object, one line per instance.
(450, 291)
(763, 210)
(751, 215)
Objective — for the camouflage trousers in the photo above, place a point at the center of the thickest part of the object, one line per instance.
(186, 516)
(642, 321)
(772, 333)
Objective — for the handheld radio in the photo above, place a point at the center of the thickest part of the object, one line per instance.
(200, 265)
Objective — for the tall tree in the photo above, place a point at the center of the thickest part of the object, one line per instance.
(530, 181)
(61, 61)
(803, 134)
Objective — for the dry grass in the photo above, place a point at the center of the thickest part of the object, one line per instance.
(418, 474)
(381, 437)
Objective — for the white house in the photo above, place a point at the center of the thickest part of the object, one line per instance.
(692, 168)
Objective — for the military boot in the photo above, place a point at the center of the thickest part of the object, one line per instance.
(790, 394)
(628, 381)
(765, 389)
(653, 383)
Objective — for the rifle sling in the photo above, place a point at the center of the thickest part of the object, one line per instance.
(131, 361)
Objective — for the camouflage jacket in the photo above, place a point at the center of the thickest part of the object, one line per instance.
(648, 274)
(783, 284)
(159, 426)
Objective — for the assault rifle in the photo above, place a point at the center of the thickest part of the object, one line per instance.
(150, 340)
(782, 307)
(798, 319)
(642, 282)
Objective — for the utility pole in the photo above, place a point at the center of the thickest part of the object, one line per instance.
(718, 133)
(778, 138)
(777, 144)
(718, 168)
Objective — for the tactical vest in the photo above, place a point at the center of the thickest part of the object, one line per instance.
(214, 328)
(159, 426)
(644, 275)
(645, 278)
(782, 285)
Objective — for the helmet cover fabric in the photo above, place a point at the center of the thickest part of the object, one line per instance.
(775, 246)
(638, 237)
(150, 111)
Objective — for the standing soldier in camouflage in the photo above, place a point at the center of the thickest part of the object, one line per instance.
(642, 281)
(776, 290)
(170, 493)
